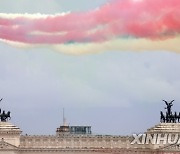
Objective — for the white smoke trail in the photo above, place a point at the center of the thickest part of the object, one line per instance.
(138, 45)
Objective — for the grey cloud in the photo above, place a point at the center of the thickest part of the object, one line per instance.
(36, 84)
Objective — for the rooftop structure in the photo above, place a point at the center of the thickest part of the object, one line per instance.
(66, 129)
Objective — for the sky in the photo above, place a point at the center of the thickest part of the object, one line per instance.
(108, 63)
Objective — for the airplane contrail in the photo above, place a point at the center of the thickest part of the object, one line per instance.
(134, 25)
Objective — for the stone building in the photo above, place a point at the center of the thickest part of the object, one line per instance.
(12, 142)
(163, 138)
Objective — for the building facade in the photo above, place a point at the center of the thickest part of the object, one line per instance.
(12, 142)
(163, 138)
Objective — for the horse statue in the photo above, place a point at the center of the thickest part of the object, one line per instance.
(178, 117)
(168, 118)
(163, 119)
(173, 119)
(5, 116)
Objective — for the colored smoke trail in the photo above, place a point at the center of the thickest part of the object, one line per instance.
(120, 24)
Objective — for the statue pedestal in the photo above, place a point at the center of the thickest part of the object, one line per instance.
(10, 133)
(165, 131)
(165, 128)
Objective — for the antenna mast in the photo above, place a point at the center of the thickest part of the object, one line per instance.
(64, 119)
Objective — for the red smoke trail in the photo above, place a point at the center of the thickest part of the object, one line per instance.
(151, 19)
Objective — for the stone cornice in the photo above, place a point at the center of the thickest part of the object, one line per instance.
(8, 127)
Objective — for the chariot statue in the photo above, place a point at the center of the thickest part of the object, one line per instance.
(3, 115)
(169, 116)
